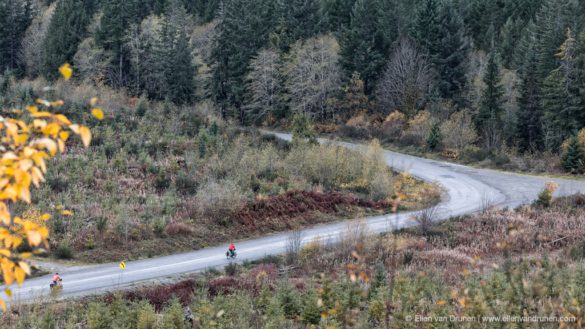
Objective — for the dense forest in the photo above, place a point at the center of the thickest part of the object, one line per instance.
(459, 75)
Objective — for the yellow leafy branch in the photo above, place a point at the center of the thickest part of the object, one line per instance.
(25, 146)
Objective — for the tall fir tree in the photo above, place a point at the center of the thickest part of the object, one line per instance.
(510, 33)
(529, 115)
(15, 17)
(242, 30)
(550, 25)
(204, 10)
(365, 46)
(116, 17)
(296, 20)
(564, 113)
(67, 28)
(426, 30)
(489, 117)
(439, 30)
(451, 61)
(336, 14)
(484, 19)
(522, 9)
(180, 70)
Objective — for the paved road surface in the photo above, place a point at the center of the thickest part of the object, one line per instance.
(467, 191)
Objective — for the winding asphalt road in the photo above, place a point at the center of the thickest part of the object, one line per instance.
(467, 190)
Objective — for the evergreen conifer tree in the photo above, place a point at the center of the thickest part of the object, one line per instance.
(434, 137)
(439, 30)
(311, 312)
(67, 28)
(296, 20)
(116, 17)
(573, 159)
(451, 61)
(365, 46)
(15, 16)
(529, 123)
(562, 96)
(336, 14)
(242, 30)
(489, 117)
(180, 71)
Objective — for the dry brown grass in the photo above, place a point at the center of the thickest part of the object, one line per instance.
(457, 247)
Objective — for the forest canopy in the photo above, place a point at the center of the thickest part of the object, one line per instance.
(515, 68)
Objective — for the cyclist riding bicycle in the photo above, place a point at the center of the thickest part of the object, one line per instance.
(232, 249)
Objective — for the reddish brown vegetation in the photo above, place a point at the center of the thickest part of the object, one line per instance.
(470, 245)
(179, 228)
(252, 281)
(158, 296)
(292, 205)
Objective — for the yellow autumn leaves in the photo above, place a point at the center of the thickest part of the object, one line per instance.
(25, 146)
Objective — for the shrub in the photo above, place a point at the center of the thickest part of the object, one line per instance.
(146, 317)
(311, 313)
(380, 186)
(458, 132)
(545, 196)
(219, 200)
(573, 157)
(158, 296)
(159, 226)
(64, 251)
(101, 224)
(47, 321)
(393, 125)
(289, 299)
(434, 137)
(224, 285)
(186, 184)
(142, 107)
(578, 252)
(302, 130)
(232, 269)
(162, 181)
(359, 120)
(354, 132)
(426, 220)
(177, 228)
(473, 153)
(173, 316)
(58, 183)
(419, 127)
(500, 159)
(98, 316)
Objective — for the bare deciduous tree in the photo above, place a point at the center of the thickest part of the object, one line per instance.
(293, 246)
(33, 40)
(202, 40)
(407, 80)
(426, 220)
(264, 82)
(313, 75)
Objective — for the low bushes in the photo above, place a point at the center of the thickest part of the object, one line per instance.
(176, 228)
(158, 296)
(219, 200)
(261, 213)
(64, 251)
(489, 264)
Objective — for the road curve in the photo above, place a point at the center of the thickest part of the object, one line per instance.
(467, 190)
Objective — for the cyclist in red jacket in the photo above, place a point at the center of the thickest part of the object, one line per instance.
(232, 249)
